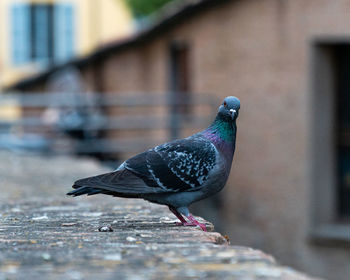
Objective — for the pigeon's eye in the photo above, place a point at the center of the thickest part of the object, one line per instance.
(225, 104)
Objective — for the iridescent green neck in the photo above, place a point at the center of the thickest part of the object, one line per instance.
(223, 129)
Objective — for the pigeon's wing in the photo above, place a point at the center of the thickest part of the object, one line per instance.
(180, 165)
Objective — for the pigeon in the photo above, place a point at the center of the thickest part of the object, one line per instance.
(176, 173)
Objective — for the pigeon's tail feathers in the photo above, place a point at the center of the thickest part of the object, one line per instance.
(83, 190)
(122, 183)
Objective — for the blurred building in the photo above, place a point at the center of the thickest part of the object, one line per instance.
(37, 34)
(288, 62)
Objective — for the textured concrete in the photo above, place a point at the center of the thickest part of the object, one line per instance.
(46, 235)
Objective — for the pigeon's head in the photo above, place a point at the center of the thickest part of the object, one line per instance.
(229, 108)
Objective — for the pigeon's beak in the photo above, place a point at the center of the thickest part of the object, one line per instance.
(233, 113)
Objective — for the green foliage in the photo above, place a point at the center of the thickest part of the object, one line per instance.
(141, 8)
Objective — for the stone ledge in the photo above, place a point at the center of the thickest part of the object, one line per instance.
(56, 237)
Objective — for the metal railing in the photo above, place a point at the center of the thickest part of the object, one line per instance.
(108, 125)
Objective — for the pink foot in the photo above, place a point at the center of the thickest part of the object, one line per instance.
(193, 221)
(178, 215)
(196, 223)
(202, 226)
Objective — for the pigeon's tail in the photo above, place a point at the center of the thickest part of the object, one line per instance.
(83, 190)
(83, 186)
(120, 183)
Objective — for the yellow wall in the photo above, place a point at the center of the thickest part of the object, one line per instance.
(103, 19)
(96, 22)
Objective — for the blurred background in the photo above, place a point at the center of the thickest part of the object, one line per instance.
(110, 78)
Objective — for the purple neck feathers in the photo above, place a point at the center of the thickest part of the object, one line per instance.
(223, 135)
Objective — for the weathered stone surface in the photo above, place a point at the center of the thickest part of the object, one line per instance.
(46, 235)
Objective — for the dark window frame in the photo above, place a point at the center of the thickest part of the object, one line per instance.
(328, 224)
(180, 76)
(342, 128)
(179, 84)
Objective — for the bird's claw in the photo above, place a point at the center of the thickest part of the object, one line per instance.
(203, 227)
(187, 224)
(195, 222)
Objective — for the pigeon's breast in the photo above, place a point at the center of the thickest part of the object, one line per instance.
(217, 177)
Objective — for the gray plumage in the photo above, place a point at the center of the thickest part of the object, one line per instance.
(176, 173)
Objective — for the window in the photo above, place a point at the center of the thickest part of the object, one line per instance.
(342, 62)
(180, 80)
(179, 85)
(41, 33)
(330, 143)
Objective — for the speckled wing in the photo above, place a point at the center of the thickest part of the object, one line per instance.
(181, 165)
